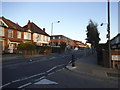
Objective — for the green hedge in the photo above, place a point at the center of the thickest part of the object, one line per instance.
(29, 48)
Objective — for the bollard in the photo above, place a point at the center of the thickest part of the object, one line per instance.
(73, 60)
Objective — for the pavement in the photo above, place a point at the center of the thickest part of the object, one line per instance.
(88, 65)
(6, 57)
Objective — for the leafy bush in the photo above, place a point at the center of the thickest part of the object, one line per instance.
(26, 48)
(43, 49)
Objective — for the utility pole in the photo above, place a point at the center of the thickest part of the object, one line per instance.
(108, 36)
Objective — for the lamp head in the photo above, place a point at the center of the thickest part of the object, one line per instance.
(101, 24)
(58, 21)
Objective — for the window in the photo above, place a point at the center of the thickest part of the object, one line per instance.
(43, 38)
(10, 33)
(56, 37)
(59, 37)
(18, 34)
(27, 35)
(38, 37)
(53, 37)
(117, 40)
(47, 39)
(1, 31)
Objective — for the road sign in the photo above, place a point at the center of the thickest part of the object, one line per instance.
(116, 57)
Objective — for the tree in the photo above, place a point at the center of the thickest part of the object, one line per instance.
(63, 45)
(92, 34)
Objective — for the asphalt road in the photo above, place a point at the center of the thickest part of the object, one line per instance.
(20, 73)
(67, 79)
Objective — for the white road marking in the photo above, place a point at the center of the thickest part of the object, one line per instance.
(5, 85)
(15, 81)
(61, 65)
(24, 85)
(28, 77)
(45, 81)
(51, 69)
(35, 75)
(69, 62)
(40, 78)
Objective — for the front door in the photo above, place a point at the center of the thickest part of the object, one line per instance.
(10, 48)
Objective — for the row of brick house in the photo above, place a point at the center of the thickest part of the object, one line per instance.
(12, 34)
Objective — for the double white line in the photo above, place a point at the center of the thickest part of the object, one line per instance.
(32, 77)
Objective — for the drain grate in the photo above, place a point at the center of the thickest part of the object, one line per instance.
(113, 75)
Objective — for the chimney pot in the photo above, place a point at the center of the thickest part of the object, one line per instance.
(44, 29)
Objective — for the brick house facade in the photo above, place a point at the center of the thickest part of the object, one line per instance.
(57, 39)
(39, 36)
(11, 34)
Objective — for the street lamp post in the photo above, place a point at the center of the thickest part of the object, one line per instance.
(109, 47)
(108, 35)
(52, 28)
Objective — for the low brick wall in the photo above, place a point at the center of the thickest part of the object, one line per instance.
(115, 63)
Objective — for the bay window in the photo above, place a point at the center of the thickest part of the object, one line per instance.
(27, 35)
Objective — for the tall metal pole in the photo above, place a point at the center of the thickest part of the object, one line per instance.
(51, 28)
(109, 44)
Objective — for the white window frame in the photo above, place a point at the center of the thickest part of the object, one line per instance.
(39, 39)
(27, 35)
(19, 34)
(10, 33)
(53, 37)
(43, 38)
(59, 37)
(1, 31)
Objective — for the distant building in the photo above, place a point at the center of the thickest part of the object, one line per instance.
(57, 39)
(79, 44)
(115, 42)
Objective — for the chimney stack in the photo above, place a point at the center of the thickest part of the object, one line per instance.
(44, 29)
(28, 24)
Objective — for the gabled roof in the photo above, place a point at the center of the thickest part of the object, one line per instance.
(34, 28)
(11, 24)
(118, 35)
